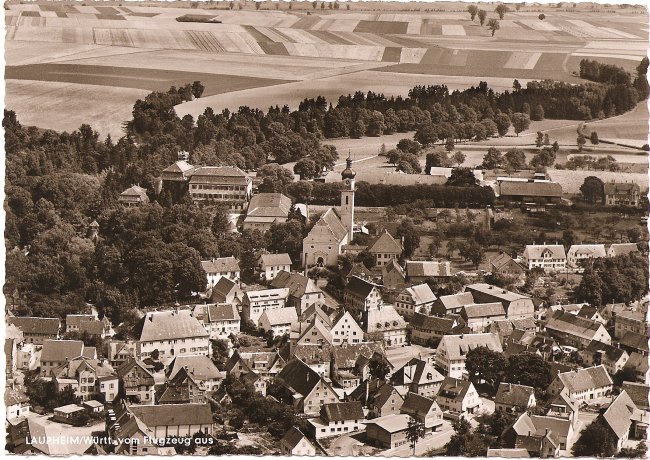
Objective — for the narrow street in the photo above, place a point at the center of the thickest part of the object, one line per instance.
(433, 441)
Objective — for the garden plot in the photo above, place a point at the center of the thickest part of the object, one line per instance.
(538, 25)
(343, 25)
(458, 58)
(453, 29)
(382, 27)
(522, 60)
(412, 55)
(591, 30)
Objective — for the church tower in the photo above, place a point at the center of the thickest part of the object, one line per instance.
(347, 198)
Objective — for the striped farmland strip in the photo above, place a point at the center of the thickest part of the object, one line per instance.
(120, 37)
(306, 23)
(258, 36)
(357, 39)
(301, 36)
(271, 34)
(247, 38)
(330, 37)
(201, 41)
(274, 49)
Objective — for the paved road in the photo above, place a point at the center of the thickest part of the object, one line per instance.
(434, 441)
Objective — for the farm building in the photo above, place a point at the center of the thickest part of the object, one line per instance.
(266, 209)
(530, 191)
(503, 264)
(550, 257)
(622, 194)
(619, 249)
(579, 252)
(420, 271)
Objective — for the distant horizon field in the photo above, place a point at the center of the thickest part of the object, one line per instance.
(277, 57)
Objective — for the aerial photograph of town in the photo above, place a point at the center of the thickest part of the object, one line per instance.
(326, 228)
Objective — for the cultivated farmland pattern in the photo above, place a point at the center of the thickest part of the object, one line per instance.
(268, 57)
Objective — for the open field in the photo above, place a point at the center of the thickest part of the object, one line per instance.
(277, 56)
(130, 77)
(49, 105)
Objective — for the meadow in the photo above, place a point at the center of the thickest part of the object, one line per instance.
(280, 56)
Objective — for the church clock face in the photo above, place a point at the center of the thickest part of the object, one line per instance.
(346, 181)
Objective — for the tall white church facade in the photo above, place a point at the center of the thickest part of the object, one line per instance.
(333, 230)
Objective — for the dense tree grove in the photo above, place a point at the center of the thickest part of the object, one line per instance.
(614, 279)
(391, 195)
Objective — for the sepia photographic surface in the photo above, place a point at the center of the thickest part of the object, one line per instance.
(326, 228)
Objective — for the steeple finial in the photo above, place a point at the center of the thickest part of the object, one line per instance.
(348, 172)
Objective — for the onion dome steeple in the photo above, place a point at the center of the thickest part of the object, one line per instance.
(348, 172)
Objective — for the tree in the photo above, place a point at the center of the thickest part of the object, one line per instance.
(472, 10)
(596, 440)
(220, 222)
(593, 190)
(627, 374)
(197, 89)
(545, 158)
(493, 25)
(639, 451)
(501, 10)
(274, 178)
(503, 124)
(569, 238)
(464, 443)
(409, 146)
(410, 235)
(485, 364)
(542, 16)
(492, 159)
(314, 4)
(367, 259)
(539, 140)
(307, 169)
(482, 14)
(449, 145)
(378, 367)
(473, 252)
(358, 129)
(458, 157)
(462, 177)
(537, 112)
(414, 432)
(593, 138)
(581, 141)
(516, 159)
(528, 369)
(520, 121)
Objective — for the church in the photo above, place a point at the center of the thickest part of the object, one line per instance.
(326, 239)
